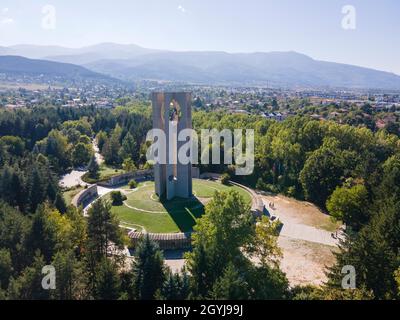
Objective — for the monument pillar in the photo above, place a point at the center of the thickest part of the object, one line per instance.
(172, 113)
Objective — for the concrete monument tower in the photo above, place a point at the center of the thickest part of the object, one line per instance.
(172, 110)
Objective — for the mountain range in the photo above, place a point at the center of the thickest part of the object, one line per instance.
(44, 71)
(132, 62)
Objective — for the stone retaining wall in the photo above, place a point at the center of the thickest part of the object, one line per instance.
(126, 177)
(210, 175)
(84, 197)
(257, 205)
(166, 241)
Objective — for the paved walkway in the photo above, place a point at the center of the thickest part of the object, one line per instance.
(307, 233)
(72, 179)
(97, 154)
(294, 228)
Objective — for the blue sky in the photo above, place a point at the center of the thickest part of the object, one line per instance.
(312, 27)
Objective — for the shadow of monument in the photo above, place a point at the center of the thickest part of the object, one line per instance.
(184, 212)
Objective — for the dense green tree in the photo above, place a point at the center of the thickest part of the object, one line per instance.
(37, 187)
(111, 147)
(267, 283)
(81, 154)
(59, 203)
(70, 275)
(6, 268)
(28, 285)
(175, 287)
(101, 139)
(128, 147)
(93, 168)
(14, 229)
(43, 234)
(322, 173)
(373, 252)
(128, 165)
(148, 269)
(103, 228)
(117, 198)
(108, 283)
(264, 246)
(199, 270)
(220, 234)
(14, 145)
(230, 286)
(57, 149)
(350, 205)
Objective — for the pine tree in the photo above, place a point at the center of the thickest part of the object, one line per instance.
(176, 286)
(108, 283)
(59, 203)
(198, 268)
(6, 268)
(70, 276)
(93, 168)
(28, 286)
(37, 189)
(230, 286)
(103, 228)
(42, 236)
(148, 269)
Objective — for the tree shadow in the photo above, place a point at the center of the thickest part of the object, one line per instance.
(184, 212)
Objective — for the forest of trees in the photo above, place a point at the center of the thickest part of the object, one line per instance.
(349, 172)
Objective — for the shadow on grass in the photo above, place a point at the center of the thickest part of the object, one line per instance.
(184, 212)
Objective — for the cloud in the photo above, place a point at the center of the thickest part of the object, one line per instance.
(181, 9)
(7, 21)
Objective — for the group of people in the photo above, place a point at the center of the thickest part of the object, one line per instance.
(272, 205)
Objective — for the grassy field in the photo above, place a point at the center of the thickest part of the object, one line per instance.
(178, 215)
(105, 173)
(206, 189)
(70, 194)
(108, 172)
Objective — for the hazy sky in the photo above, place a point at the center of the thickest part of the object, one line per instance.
(313, 27)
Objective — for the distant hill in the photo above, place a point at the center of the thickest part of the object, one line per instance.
(20, 67)
(132, 62)
(274, 68)
(77, 55)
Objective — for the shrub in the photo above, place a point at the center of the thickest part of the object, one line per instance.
(272, 188)
(291, 191)
(132, 184)
(225, 178)
(117, 198)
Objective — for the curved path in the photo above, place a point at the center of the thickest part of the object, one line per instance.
(74, 178)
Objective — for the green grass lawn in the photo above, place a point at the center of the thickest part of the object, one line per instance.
(105, 173)
(206, 189)
(178, 215)
(70, 194)
(108, 172)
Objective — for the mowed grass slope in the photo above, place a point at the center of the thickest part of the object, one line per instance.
(179, 215)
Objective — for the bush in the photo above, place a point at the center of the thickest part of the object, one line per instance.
(117, 198)
(225, 178)
(272, 188)
(132, 184)
(291, 191)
